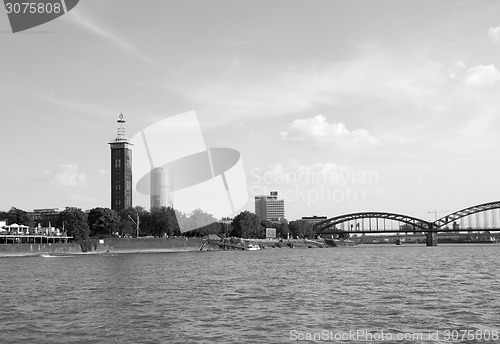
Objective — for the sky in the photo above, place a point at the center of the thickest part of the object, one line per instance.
(341, 106)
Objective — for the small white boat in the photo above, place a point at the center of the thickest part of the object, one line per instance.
(251, 246)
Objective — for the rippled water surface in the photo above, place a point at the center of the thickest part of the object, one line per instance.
(267, 296)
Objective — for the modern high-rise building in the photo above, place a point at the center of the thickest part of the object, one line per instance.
(270, 207)
(121, 169)
(160, 187)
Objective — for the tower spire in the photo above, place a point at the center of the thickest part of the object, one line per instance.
(120, 135)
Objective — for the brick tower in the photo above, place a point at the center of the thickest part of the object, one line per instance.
(121, 169)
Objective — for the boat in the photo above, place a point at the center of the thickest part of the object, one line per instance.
(252, 246)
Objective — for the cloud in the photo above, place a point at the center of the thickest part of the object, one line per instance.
(317, 130)
(68, 175)
(494, 33)
(482, 75)
(456, 70)
(293, 172)
(85, 22)
(88, 108)
(318, 183)
(373, 76)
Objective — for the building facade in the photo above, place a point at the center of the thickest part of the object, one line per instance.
(314, 219)
(47, 217)
(121, 169)
(160, 187)
(270, 207)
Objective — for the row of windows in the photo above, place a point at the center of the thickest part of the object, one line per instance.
(118, 187)
(128, 202)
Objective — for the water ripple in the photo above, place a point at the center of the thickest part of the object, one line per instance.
(251, 297)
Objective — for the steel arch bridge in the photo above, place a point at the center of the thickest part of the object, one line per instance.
(329, 226)
(414, 224)
(465, 212)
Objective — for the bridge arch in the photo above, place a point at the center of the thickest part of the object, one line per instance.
(329, 224)
(465, 212)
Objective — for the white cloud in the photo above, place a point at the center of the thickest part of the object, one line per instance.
(482, 75)
(456, 70)
(372, 76)
(322, 182)
(293, 172)
(317, 130)
(84, 21)
(88, 108)
(68, 175)
(494, 33)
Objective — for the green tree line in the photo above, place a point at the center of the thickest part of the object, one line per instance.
(159, 222)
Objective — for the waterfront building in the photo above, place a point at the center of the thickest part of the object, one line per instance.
(270, 207)
(161, 187)
(46, 217)
(17, 229)
(121, 169)
(314, 219)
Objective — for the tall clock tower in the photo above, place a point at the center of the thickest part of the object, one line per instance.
(121, 169)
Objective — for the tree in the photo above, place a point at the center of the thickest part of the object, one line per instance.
(74, 221)
(247, 225)
(213, 228)
(282, 230)
(268, 224)
(199, 223)
(21, 217)
(160, 222)
(301, 229)
(129, 219)
(103, 222)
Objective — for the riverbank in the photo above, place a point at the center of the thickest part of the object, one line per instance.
(152, 245)
(242, 244)
(14, 250)
(107, 245)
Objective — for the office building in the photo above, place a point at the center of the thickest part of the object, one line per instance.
(270, 207)
(160, 187)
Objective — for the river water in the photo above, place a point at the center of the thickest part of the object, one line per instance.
(380, 294)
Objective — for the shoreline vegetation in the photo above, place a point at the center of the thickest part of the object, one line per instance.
(184, 244)
(103, 230)
(98, 223)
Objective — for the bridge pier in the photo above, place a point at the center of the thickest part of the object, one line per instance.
(432, 239)
(431, 236)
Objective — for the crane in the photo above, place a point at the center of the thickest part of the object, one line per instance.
(436, 212)
(135, 223)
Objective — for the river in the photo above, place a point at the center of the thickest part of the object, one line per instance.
(381, 294)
